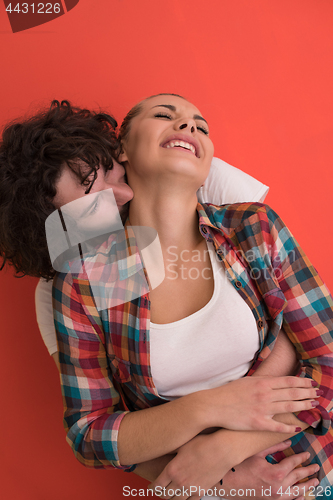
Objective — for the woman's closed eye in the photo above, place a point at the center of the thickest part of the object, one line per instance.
(163, 115)
(203, 129)
(169, 117)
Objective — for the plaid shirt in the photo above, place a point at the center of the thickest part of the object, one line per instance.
(104, 355)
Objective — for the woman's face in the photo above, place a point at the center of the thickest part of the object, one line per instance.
(168, 135)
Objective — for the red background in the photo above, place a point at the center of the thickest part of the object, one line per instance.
(260, 71)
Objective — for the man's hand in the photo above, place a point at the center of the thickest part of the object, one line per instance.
(272, 481)
(201, 462)
(187, 474)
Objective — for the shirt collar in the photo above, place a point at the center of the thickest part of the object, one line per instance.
(207, 223)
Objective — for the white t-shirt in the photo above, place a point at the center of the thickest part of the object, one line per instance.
(223, 336)
(224, 184)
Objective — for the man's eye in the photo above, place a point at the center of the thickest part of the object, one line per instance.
(163, 115)
(203, 129)
(88, 180)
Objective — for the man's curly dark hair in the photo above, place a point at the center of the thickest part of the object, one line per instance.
(33, 154)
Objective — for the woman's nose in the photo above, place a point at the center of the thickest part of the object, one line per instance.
(188, 124)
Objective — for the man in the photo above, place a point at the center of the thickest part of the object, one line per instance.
(47, 161)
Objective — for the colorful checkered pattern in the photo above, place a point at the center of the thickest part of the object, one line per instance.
(104, 356)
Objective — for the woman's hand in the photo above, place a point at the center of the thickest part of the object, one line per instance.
(250, 403)
(273, 481)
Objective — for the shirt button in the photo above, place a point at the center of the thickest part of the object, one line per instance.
(260, 323)
(238, 284)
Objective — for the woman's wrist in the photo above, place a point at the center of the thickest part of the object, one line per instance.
(200, 406)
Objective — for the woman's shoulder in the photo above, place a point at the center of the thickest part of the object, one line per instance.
(231, 216)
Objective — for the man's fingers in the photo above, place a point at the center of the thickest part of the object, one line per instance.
(274, 449)
(161, 482)
(302, 472)
(174, 492)
(299, 490)
(288, 465)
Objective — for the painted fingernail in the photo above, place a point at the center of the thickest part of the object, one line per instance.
(298, 429)
(314, 383)
(319, 392)
(315, 403)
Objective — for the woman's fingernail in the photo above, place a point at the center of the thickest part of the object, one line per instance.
(307, 455)
(298, 429)
(314, 383)
(315, 403)
(317, 468)
(316, 482)
(319, 392)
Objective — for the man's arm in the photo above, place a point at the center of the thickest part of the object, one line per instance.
(281, 361)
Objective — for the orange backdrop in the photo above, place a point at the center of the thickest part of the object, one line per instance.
(261, 72)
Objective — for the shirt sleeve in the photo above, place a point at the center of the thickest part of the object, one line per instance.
(307, 317)
(92, 405)
(44, 314)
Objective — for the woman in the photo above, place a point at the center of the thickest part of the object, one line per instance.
(41, 160)
(167, 153)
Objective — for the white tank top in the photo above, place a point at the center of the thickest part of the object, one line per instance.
(209, 348)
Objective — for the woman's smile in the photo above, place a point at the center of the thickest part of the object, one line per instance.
(184, 142)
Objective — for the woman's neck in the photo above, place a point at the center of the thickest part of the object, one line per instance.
(171, 213)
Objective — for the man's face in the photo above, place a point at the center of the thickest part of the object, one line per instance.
(70, 188)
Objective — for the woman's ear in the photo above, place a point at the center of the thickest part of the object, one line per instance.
(122, 157)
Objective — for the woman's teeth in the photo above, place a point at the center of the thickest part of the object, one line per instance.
(181, 144)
